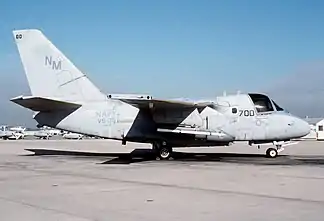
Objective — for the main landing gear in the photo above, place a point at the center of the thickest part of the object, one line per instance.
(273, 152)
(162, 150)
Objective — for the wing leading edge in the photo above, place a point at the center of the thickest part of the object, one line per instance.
(165, 104)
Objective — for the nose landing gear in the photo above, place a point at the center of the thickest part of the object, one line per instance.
(273, 152)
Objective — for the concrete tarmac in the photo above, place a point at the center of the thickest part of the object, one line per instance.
(103, 180)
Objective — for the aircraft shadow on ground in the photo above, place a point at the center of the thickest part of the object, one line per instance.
(144, 155)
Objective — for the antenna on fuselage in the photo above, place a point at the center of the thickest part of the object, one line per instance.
(224, 93)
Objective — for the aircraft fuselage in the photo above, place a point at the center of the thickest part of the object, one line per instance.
(235, 118)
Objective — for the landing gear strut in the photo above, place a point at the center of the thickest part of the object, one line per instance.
(163, 151)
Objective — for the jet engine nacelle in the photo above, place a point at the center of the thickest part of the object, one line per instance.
(217, 137)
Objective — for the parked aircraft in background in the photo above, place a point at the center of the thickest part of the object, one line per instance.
(42, 134)
(73, 136)
(63, 97)
(52, 131)
(7, 133)
(19, 129)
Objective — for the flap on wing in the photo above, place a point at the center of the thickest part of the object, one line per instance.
(164, 104)
(43, 104)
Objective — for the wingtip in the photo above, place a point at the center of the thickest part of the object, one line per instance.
(20, 97)
(16, 98)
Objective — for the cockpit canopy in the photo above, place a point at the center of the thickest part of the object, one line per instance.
(263, 103)
(278, 108)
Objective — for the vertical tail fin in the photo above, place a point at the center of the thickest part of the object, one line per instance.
(49, 72)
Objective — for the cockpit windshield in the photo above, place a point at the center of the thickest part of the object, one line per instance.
(278, 108)
(262, 103)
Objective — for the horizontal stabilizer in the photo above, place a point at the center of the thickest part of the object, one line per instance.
(43, 104)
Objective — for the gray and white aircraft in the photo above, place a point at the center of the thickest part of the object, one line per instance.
(63, 97)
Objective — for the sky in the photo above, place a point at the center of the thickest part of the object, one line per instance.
(173, 48)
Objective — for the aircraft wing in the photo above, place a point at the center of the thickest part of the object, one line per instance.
(164, 104)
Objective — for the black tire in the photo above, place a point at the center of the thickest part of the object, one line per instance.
(164, 153)
(272, 153)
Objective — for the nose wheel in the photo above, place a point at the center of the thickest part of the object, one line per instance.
(273, 152)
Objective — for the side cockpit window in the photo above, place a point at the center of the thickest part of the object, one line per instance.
(278, 108)
(261, 102)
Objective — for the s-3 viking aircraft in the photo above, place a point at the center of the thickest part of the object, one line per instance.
(63, 97)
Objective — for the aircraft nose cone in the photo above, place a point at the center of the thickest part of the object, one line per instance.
(302, 126)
